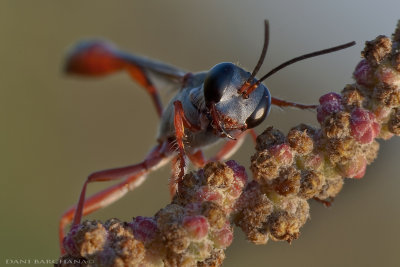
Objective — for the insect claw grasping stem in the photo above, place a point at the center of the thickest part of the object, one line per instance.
(226, 133)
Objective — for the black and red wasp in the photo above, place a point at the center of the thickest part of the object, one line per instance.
(224, 103)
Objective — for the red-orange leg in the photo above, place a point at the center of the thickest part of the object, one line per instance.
(253, 135)
(133, 176)
(229, 148)
(283, 103)
(225, 151)
(198, 159)
(179, 163)
(98, 58)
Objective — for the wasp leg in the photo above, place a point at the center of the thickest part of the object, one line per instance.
(197, 158)
(133, 176)
(253, 135)
(179, 163)
(225, 151)
(229, 148)
(282, 103)
(100, 58)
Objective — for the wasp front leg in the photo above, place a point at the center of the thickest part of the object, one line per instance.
(228, 148)
(179, 163)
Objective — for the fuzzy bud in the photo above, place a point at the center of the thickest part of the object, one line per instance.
(329, 103)
(364, 127)
(364, 74)
(196, 226)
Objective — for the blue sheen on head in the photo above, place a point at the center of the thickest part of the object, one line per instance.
(221, 87)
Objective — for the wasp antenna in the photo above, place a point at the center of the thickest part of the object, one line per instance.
(263, 52)
(260, 60)
(296, 59)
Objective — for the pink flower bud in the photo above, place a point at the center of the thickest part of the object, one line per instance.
(355, 168)
(364, 127)
(239, 171)
(240, 178)
(311, 161)
(381, 112)
(223, 237)
(69, 243)
(364, 74)
(144, 228)
(388, 76)
(329, 103)
(196, 226)
(282, 153)
(207, 194)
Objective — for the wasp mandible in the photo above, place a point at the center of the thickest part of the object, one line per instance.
(225, 102)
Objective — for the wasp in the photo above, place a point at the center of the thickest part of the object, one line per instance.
(224, 103)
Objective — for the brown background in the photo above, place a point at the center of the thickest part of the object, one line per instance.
(55, 129)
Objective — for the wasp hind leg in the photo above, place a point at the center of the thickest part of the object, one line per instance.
(132, 176)
(100, 58)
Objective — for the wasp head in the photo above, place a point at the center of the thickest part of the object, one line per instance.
(229, 108)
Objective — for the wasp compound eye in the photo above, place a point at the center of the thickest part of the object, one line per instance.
(217, 80)
(260, 112)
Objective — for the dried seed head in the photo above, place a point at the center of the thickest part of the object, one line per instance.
(386, 95)
(300, 141)
(286, 224)
(352, 96)
(214, 213)
(370, 151)
(396, 61)
(216, 259)
(375, 51)
(111, 244)
(253, 209)
(341, 150)
(218, 174)
(337, 125)
(264, 166)
(394, 122)
(331, 187)
(85, 239)
(269, 137)
(288, 182)
(396, 34)
(175, 237)
(310, 184)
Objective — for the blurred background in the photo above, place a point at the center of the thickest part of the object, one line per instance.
(55, 129)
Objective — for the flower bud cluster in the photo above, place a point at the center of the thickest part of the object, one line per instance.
(193, 230)
(288, 170)
(311, 162)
